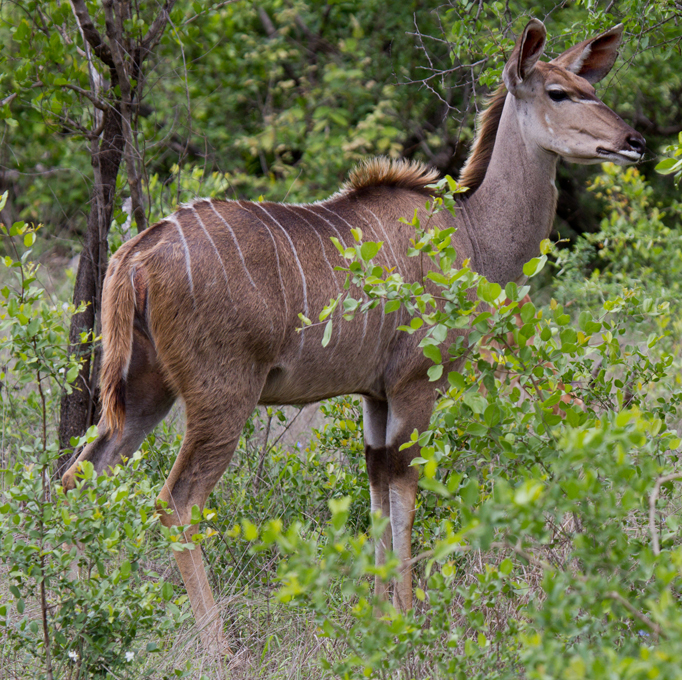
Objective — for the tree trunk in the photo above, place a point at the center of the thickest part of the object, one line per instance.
(80, 409)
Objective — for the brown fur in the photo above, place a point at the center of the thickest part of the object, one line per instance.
(384, 171)
(473, 172)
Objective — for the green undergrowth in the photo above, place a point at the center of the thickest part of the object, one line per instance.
(546, 538)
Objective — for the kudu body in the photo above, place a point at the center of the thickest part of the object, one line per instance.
(204, 305)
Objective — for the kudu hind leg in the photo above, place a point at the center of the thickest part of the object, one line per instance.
(375, 414)
(210, 441)
(148, 399)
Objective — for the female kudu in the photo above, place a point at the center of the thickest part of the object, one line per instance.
(204, 305)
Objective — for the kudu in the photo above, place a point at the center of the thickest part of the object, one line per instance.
(203, 306)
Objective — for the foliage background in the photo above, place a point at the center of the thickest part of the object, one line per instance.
(541, 559)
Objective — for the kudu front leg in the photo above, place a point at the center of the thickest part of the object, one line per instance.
(407, 411)
(375, 414)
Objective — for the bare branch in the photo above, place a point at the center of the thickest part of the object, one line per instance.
(613, 595)
(91, 34)
(8, 99)
(96, 101)
(263, 453)
(157, 28)
(267, 22)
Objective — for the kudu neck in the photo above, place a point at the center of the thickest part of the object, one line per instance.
(513, 209)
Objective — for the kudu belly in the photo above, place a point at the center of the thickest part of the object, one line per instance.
(353, 362)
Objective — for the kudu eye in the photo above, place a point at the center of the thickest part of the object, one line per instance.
(557, 95)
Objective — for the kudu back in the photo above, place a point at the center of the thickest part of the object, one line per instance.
(204, 305)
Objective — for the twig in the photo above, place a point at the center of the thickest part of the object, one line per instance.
(96, 101)
(652, 509)
(263, 453)
(8, 99)
(157, 28)
(613, 595)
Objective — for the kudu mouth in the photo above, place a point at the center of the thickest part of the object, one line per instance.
(620, 156)
(635, 146)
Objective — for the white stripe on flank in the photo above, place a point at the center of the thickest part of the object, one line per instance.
(329, 264)
(215, 250)
(298, 262)
(274, 244)
(338, 217)
(324, 252)
(188, 264)
(234, 238)
(386, 239)
(338, 233)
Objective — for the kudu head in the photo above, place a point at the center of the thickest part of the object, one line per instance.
(556, 104)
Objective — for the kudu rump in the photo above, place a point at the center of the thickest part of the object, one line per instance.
(204, 305)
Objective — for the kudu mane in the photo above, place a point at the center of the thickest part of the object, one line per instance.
(382, 171)
(488, 121)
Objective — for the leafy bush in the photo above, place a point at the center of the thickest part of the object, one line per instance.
(571, 502)
(547, 529)
(82, 591)
(638, 245)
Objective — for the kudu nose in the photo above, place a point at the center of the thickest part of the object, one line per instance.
(637, 143)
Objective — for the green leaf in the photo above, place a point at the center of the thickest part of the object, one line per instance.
(167, 591)
(327, 333)
(369, 250)
(506, 567)
(432, 352)
(534, 266)
(527, 312)
(492, 415)
(489, 292)
(668, 166)
(431, 484)
(439, 332)
(339, 505)
(475, 401)
(457, 380)
(435, 372)
(338, 244)
(469, 492)
(250, 530)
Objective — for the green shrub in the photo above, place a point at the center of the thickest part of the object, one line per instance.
(554, 550)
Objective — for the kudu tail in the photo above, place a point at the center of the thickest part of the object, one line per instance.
(118, 312)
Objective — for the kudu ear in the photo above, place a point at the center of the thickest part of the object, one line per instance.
(528, 49)
(592, 59)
